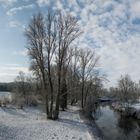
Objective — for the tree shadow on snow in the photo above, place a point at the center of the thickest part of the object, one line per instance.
(73, 123)
(13, 112)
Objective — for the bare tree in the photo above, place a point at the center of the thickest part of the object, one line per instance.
(68, 31)
(73, 76)
(20, 91)
(88, 62)
(49, 39)
(64, 88)
(36, 35)
(50, 47)
(21, 84)
(128, 90)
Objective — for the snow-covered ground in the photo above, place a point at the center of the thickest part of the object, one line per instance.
(30, 124)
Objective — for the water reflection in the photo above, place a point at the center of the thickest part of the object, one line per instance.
(114, 126)
(127, 125)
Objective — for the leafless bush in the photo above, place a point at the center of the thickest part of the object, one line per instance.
(90, 106)
(18, 100)
(31, 100)
(4, 101)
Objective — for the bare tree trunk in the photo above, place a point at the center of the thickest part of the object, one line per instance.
(87, 63)
(45, 90)
(86, 94)
(51, 90)
(58, 94)
(63, 99)
(82, 94)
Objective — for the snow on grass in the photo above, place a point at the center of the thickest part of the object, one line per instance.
(30, 124)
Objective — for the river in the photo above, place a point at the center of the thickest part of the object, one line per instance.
(4, 94)
(114, 126)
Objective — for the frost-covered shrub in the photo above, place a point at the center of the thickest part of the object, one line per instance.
(4, 101)
(18, 100)
(31, 100)
(20, 103)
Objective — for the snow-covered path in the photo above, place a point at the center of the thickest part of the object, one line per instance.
(30, 124)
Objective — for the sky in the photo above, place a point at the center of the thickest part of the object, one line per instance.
(110, 27)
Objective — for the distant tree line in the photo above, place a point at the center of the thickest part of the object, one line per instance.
(6, 86)
(126, 91)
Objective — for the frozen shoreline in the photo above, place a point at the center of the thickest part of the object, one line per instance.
(94, 130)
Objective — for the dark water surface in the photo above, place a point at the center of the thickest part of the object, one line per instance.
(116, 127)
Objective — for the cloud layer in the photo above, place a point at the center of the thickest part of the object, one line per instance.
(8, 72)
(111, 27)
(6, 3)
(14, 10)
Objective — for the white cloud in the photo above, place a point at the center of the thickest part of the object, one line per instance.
(42, 2)
(13, 11)
(107, 25)
(9, 65)
(6, 77)
(6, 3)
(14, 24)
(23, 52)
(121, 58)
(14, 69)
(135, 8)
(8, 72)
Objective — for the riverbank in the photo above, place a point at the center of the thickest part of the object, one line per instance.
(31, 124)
(93, 128)
(130, 111)
(114, 126)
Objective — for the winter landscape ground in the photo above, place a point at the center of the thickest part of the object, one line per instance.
(31, 124)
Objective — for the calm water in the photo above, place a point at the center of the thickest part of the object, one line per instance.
(116, 127)
(5, 94)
